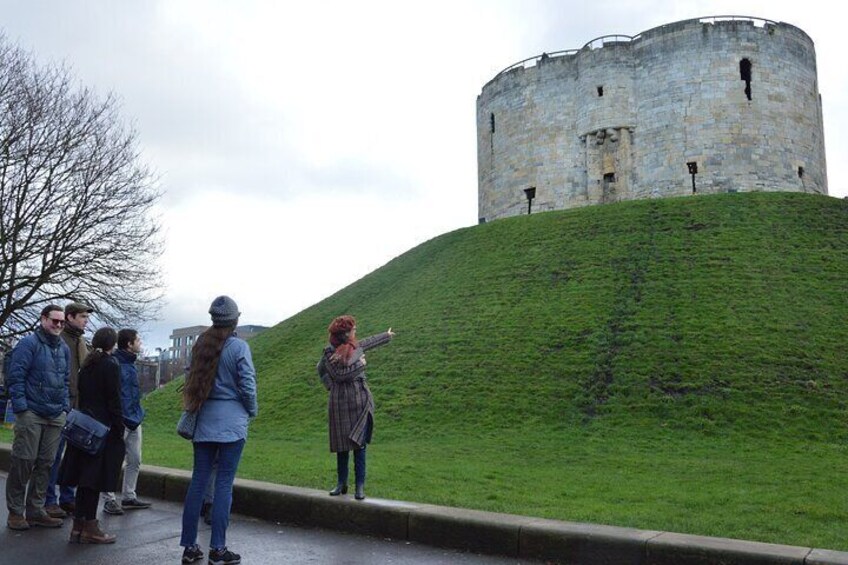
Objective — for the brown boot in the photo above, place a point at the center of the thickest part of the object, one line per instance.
(44, 520)
(55, 512)
(76, 530)
(91, 533)
(17, 522)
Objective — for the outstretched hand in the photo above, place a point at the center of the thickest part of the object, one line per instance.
(390, 332)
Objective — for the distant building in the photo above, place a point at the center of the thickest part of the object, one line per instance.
(148, 373)
(182, 340)
(176, 358)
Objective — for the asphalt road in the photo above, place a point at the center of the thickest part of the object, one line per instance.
(153, 536)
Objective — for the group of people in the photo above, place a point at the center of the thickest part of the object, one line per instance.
(51, 372)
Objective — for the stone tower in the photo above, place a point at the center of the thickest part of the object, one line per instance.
(720, 104)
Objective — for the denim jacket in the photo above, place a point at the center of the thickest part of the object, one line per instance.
(224, 416)
(130, 390)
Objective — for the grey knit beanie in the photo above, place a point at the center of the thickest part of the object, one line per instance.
(224, 312)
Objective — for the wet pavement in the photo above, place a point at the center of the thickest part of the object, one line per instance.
(153, 536)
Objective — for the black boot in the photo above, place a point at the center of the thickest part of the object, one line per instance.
(359, 470)
(342, 469)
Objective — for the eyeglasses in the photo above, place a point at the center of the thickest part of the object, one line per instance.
(57, 321)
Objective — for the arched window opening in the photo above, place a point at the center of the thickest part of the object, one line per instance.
(745, 72)
(600, 91)
(800, 172)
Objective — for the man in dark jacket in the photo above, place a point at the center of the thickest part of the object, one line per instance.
(76, 319)
(129, 346)
(38, 390)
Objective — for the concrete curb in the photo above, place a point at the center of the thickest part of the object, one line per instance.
(485, 532)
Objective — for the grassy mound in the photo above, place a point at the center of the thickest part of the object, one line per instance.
(674, 364)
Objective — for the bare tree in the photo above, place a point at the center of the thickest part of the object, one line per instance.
(76, 218)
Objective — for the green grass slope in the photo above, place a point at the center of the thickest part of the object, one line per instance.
(674, 364)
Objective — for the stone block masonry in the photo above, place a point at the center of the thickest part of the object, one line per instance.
(730, 101)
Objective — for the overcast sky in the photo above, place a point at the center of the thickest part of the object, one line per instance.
(280, 130)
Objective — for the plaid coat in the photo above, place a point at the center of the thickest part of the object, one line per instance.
(350, 406)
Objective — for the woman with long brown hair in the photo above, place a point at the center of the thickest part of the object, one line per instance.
(221, 387)
(99, 389)
(350, 405)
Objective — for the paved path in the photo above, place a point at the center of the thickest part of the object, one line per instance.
(153, 536)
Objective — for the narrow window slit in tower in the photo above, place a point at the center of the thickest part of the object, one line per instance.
(492, 122)
(745, 72)
(600, 91)
(800, 172)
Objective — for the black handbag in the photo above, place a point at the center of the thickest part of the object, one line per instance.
(187, 424)
(84, 432)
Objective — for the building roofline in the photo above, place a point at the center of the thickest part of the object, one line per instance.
(620, 38)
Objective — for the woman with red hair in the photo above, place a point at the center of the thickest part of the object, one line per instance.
(351, 407)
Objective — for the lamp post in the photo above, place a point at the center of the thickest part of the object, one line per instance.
(693, 170)
(158, 367)
(531, 194)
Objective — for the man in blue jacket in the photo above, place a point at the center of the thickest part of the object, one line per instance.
(129, 346)
(38, 390)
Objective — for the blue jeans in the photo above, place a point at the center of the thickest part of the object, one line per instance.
(209, 495)
(66, 494)
(205, 454)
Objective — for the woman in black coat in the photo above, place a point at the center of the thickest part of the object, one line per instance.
(99, 397)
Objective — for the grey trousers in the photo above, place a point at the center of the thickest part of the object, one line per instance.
(132, 439)
(33, 450)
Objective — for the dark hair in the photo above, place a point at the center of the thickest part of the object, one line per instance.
(103, 341)
(125, 337)
(45, 312)
(204, 366)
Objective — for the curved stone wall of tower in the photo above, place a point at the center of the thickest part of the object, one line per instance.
(733, 100)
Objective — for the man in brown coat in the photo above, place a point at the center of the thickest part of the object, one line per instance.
(76, 319)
